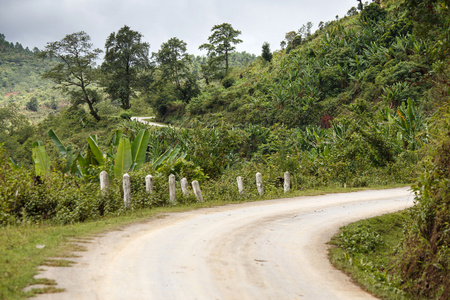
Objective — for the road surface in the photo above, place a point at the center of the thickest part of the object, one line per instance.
(146, 120)
(262, 250)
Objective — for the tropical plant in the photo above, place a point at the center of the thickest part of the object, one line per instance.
(40, 159)
(412, 124)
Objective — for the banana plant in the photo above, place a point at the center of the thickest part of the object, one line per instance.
(167, 157)
(412, 125)
(395, 94)
(67, 153)
(94, 155)
(130, 157)
(123, 158)
(41, 160)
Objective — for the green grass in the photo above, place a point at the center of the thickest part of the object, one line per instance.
(21, 251)
(366, 250)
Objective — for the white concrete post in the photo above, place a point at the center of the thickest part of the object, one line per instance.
(184, 186)
(104, 181)
(149, 184)
(287, 182)
(197, 191)
(127, 190)
(172, 190)
(240, 184)
(259, 183)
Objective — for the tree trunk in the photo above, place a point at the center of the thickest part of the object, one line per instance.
(226, 62)
(93, 112)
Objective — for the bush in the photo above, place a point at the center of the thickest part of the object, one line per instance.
(33, 104)
(126, 115)
(227, 82)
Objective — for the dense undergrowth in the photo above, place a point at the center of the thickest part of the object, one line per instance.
(213, 156)
(366, 250)
(406, 255)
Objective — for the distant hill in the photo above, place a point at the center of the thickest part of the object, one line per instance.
(21, 84)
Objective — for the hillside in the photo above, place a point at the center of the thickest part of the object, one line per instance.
(21, 82)
(374, 56)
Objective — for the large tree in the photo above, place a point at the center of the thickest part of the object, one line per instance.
(221, 43)
(75, 73)
(173, 61)
(266, 54)
(126, 58)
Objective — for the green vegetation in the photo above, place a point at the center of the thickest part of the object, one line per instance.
(74, 74)
(221, 44)
(366, 251)
(126, 56)
(361, 102)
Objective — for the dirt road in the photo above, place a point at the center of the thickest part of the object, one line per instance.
(147, 120)
(264, 250)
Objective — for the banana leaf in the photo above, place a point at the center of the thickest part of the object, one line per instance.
(66, 152)
(114, 143)
(14, 163)
(123, 159)
(139, 148)
(95, 150)
(81, 168)
(167, 157)
(54, 138)
(41, 160)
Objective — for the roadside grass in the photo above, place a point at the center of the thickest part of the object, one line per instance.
(366, 251)
(26, 247)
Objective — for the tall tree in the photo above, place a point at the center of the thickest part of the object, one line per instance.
(75, 73)
(221, 43)
(173, 61)
(126, 58)
(266, 54)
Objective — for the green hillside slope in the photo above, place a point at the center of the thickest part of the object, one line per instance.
(21, 83)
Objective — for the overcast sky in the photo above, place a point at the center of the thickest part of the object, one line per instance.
(34, 23)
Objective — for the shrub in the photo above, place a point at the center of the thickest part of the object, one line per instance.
(227, 82)
(126, 115)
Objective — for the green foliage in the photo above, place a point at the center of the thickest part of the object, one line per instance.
(431, 21)
(359, 239)
(16, 133)
(221, 44)
(266, 54)
(32, 104)
(123, 159)
(173, 62)
(343, 61)
(75, 74)
(125, 57)
(373, 12)
(175, 83)
(373, 269)
(40, 159)
(126, 116)
(227, 82)
(424, 260)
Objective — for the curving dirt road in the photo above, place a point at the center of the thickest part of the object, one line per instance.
(147, 120)
(263, 250)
